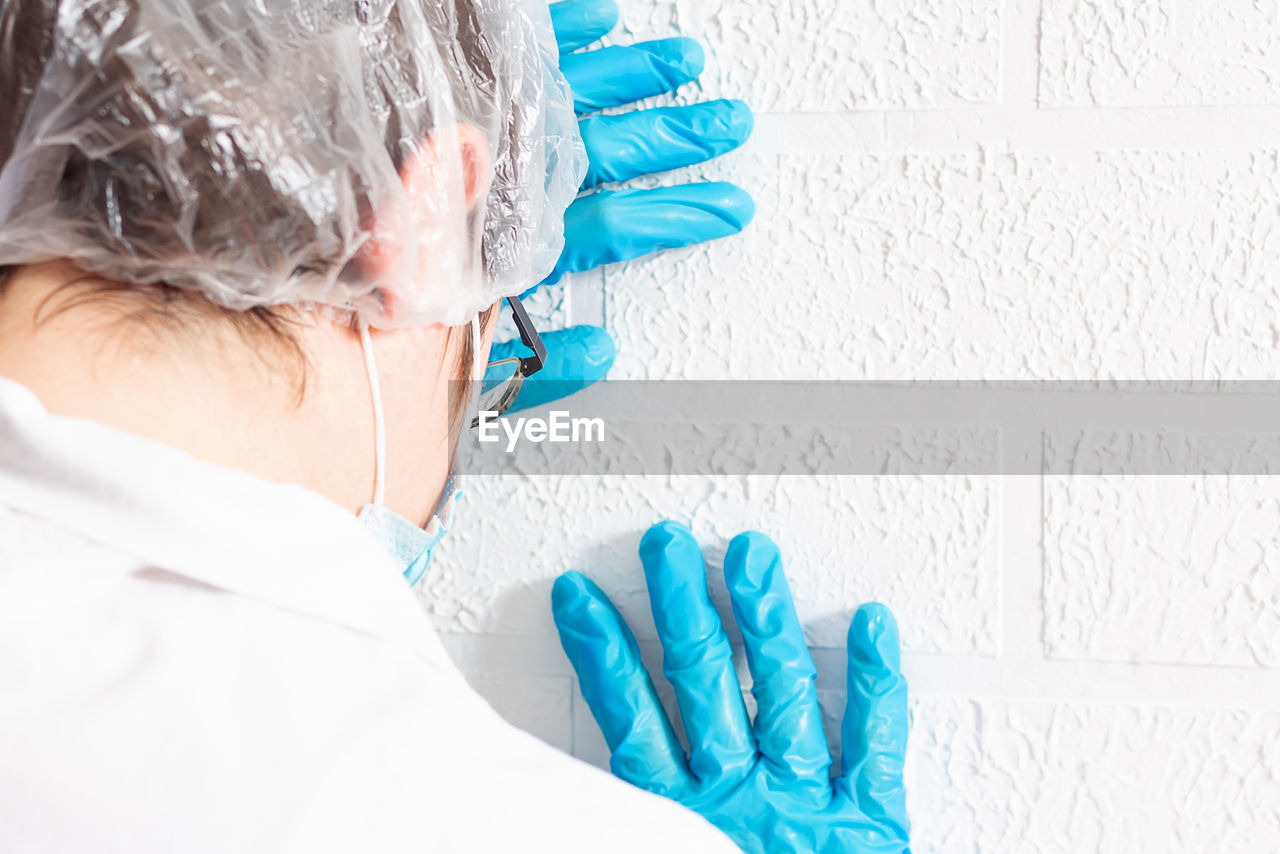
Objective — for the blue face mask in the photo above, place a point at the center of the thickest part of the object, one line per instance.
(409, 544)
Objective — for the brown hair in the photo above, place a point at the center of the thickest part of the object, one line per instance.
(270, 188)
(460, 389)
(160, 308)
(120, 199)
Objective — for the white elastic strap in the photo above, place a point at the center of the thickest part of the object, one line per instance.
(379, 430)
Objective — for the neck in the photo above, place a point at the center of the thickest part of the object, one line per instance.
(217, 394)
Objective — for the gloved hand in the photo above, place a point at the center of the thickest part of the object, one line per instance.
(619, 225)
(766, 782)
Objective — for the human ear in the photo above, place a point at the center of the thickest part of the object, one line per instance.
(445, 180)
(429, 166)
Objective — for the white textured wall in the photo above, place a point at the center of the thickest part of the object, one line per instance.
(965, 189)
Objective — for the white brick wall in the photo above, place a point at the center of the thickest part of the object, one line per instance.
(845, 537)
(992, 775)
(969, 189)
(1120, 52)
(859, 56)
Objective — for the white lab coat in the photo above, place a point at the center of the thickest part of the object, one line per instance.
(194, 659)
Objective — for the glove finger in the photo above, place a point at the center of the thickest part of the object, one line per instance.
(619, 225)
(613, 76)
(645, 141)
(874, 731)
(616, 686)
(578, 23)
(697, 659)
(576, 358)
(788, 724)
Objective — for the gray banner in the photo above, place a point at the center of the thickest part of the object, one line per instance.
(956, 428)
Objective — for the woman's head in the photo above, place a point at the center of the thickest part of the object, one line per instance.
(261, 174)
(405, 159)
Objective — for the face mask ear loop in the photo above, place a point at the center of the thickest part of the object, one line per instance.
(379, 428)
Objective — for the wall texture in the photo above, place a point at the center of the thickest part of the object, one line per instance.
(971, 189)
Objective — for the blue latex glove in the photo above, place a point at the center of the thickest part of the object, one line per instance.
(766, 783)
(576, 357)
(618, 225)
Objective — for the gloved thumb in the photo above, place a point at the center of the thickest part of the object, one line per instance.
(576, 358)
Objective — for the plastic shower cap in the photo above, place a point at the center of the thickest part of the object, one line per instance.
(290, 151)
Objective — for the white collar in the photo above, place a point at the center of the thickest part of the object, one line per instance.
(279, 543)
